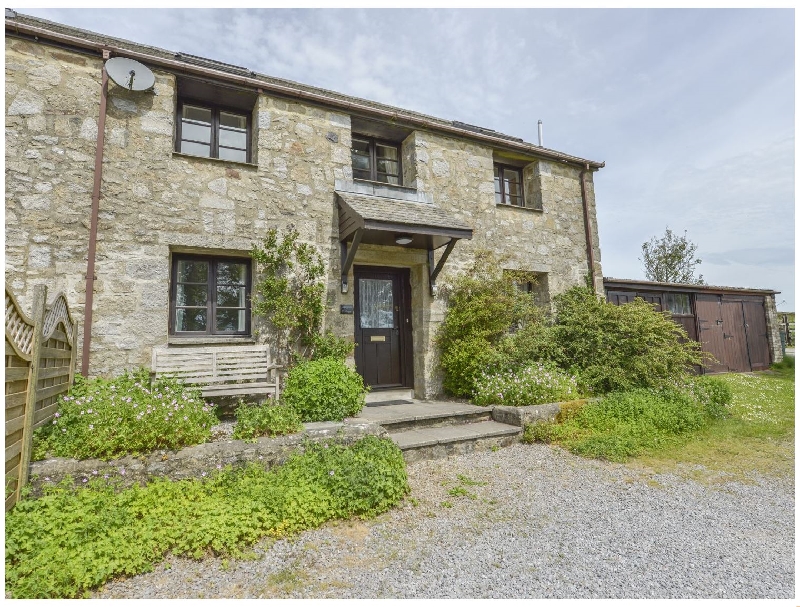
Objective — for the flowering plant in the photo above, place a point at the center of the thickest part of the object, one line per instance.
(532, 385)
(125, 415)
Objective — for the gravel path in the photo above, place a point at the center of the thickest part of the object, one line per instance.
(543, 524)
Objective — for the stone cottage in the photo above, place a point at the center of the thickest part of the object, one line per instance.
(186, 177)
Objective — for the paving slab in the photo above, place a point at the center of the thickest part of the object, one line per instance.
(417, 410)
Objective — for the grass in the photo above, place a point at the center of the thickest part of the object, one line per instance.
(757, 437)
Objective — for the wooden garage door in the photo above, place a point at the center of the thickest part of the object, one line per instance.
(708, 309)
(757, 340)
(734, 336)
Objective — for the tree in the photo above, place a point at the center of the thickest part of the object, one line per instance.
(671, 259)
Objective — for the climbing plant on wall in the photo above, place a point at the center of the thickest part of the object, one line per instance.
(289, 291)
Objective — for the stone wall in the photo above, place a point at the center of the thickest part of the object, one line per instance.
(156, 202)
(198, 461)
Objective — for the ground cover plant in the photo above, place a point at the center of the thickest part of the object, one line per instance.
(107, 418)
(255, 420)
(625, 424)
(757, 435)
(70, 541)
(324, 390)
(532, 385)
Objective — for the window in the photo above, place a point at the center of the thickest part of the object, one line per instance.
(213, 132)
(375, 161)
(678, 304)
(508, 186)
(210, 296)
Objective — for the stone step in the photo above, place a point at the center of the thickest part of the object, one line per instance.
(390, 396)
(423, 414)
(443, 441)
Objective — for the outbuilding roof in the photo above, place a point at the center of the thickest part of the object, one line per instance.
(680, 287)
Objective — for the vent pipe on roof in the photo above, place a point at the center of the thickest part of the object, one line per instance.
(541, 140)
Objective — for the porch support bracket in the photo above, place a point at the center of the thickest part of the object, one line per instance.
(434, 271)
(349, 256)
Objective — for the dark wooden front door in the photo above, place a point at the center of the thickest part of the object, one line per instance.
(383, 326)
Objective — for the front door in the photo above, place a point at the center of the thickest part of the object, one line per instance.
(383, 326)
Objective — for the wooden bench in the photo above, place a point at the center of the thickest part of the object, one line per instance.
(220, 370)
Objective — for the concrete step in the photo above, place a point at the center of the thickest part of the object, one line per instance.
(443, 441)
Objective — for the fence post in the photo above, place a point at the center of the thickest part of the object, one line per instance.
(73, 359)
(39, 307)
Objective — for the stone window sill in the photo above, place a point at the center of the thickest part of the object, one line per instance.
(236, 163)
(209, 341)
(511, 206)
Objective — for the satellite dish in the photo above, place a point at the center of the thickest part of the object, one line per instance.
(130, 74)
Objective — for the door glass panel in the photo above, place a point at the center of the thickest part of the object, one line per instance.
(376, 303)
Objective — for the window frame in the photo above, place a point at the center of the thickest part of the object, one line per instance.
(373, 143)
(211, 295)
(215, 110)
(503, 201)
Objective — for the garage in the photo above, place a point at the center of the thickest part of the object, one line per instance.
(738, 327)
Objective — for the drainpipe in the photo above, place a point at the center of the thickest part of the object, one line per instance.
(98, 177)
(587, 226)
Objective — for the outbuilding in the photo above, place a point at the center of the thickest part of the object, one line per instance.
(739, 327)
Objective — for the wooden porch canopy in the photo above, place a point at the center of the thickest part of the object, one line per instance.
(365, 218)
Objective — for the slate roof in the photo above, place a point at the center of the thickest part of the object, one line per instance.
(389, 210)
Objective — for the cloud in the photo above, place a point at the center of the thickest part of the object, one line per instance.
(766, 256)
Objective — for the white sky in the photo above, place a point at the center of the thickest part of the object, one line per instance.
(692, 110)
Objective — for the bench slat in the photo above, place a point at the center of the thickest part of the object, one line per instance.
(228, 371)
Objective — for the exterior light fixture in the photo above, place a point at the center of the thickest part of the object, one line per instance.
(403, 238)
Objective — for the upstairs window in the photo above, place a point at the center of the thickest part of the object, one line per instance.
(213, 132)
(508, 186)
(210, 296)
(375, 161)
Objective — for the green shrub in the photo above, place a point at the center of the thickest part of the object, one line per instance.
(331, 346)
(464, 362)
(532, 385)
(483, 306)
(614, 348)
(324, 390)
(253, 421)
(624, 424)
(125, 416)
(70, 541)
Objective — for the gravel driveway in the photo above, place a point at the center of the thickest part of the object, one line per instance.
(542, 524)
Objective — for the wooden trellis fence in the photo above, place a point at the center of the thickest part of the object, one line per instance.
(40, 366)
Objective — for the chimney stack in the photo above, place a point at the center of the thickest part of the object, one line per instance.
(541, 140)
